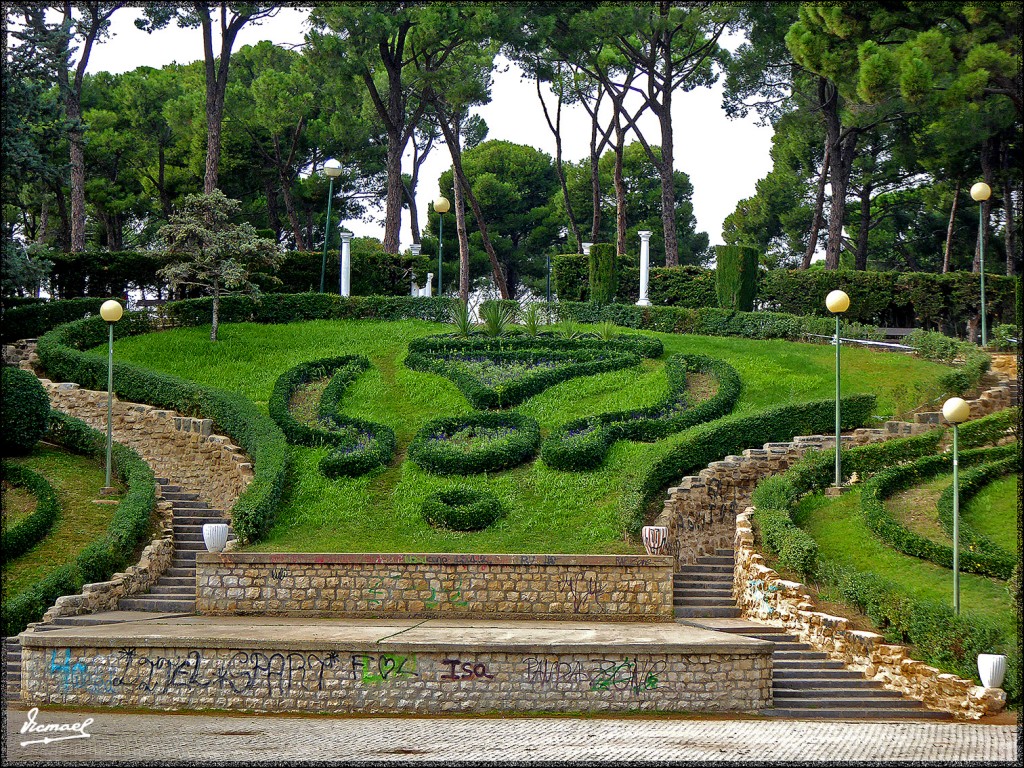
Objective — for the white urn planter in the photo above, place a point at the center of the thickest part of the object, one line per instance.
(216, 536)
(992, 669)
(654, 537)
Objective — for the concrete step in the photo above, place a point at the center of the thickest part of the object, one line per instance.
(816, 675)
(191, 527)
(183, 591)
(805, 664)
(858, 702)
(716, 612)
(177, 571)
(704, 569)
(730, 553)
(157, 604)
(207, 516)
(830, 693)
(177, 581)
(703, 591)
(188, 537)
(872, 713)
(799, 656)
(723, 602)
(716, 560)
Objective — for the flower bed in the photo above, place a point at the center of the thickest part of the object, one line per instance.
(461, 509)
(482, 442)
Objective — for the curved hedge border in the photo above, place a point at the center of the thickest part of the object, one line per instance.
(32, 320)
(945, 639)
(26, 533)
(461, 509)
(433, 450)
(717, 439)
(890, 530)
(298, 307)
(359, 446)
(584, 443)
(257, 434)
(107, 554)
(970, 484)
(431, 355)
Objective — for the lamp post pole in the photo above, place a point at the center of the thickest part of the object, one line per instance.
(838, 302)
(956, 411)
(110, 311)
(332, 168)
(981, 192)
(441, 206)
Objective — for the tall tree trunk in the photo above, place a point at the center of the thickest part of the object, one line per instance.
(463, 235)
(44, 220)
(948, 251)
(842, 144)
(460, 178)
(620, 191)
(77, 142)
(289, 200)
(1010, 230)
(668, 189)
(414, 217)
(860, 256)
(395, 192)
(819, 208)
(161, 184)
(595, 187)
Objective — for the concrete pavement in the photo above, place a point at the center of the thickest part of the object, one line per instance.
(120, 736)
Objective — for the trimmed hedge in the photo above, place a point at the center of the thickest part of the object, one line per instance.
(713, 441)
(444, 356)
(986, 562)
(359, 445)
(736, 276)
(970, 484)
(233, 414)
(298, 307)
(603, 273)
(107, 554)
(25, 534)
(584, 443)
(462, 509)
(686, 286)
(26, 411)
(509, 439)
(33, 320)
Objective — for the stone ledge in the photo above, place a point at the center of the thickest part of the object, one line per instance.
(332, 558)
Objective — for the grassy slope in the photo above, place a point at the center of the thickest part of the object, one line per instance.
(844, 539)
(77, 480)
(551, 511)
(993, 512)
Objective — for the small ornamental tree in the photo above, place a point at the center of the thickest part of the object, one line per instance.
(212, 252)
(736, 276)
(603, 273)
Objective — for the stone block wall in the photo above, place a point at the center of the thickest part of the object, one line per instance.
(178, 447)
(764, 596)
(367, 679)
(595, 587)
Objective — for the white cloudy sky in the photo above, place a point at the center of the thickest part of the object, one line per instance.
(724, 158)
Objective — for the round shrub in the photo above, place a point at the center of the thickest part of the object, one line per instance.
(26, 412)
(461, 509)
(480, 442)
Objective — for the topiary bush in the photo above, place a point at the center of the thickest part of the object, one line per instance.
(25, 414)
(26, 533)
(480, 442)
(603, 273)
(736, 276)
(461, 509)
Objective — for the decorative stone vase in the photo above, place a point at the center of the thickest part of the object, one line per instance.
(992, 668)
(216, 536)
(654, 537)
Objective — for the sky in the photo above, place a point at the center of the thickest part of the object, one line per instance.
(723, 157)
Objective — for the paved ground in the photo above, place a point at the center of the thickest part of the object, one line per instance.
(191, 739)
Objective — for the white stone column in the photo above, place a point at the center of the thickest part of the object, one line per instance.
(346, 263)
(414, 249)
(586, 249)
(428, 289)
(645, 267)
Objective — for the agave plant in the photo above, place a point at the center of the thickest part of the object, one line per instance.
(497, 317)
(607, 330)
(533, 319)
(461, 318)
(567, 329)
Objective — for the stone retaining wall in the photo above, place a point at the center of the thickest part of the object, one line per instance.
(595, 587)
(178, 447)
(764, 596)
(365, 678)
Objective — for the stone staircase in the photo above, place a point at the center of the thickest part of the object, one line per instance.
(175, 591)
(12, 667)
(805, 682)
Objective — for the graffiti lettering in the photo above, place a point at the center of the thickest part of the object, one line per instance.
(584, 590)
(469, 671)
(550, 672)
(629, 675)
(378, 669)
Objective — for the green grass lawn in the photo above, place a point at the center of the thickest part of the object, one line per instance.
(993, 512)
(77, 480)
(844, 539)
(917, 508)
(550, 511)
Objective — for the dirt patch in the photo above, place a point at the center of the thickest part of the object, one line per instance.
(305, 401)
(917, 509)
(18, 503)
(701, 386)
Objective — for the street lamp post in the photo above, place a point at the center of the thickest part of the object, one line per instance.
(333, 169)
(956, 411)
(110, 311)
(441, 206)
(837, 302)
(981, 192)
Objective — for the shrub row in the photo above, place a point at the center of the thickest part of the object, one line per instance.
(890, 530)
(686, 286)
(972, 361)
(26, 411)
(644, 346)
(107, 554)
(584, 443)
(359, 446)
(943, 638)
(445, 357)
(299, 307)
(26, 533)
(506, 440)
(461, 509)
(713, 441)
(233, 414)
(892, 299)
(33, 320)
(970, 484)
